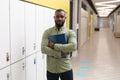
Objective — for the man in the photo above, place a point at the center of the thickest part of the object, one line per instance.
(58, 66)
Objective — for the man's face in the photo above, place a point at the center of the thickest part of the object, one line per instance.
(60, 18)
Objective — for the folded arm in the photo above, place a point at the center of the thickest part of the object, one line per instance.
(45, 47)
(71, 46)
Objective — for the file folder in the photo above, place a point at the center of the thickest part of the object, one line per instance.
(58, 38)
(61, 39)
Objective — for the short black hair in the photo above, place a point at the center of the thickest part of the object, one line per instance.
(59, 10)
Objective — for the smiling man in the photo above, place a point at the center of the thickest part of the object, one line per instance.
(57, 65)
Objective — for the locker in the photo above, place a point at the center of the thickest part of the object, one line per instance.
(48, 17)
(17, 30)
(44, 20)
(18, 70)
(30, 28)
(4, 34)
(5, 74)
(41, 66)
(31, 67)
(39, 26)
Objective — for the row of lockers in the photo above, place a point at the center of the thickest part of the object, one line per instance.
(21, 27)
(30, 68)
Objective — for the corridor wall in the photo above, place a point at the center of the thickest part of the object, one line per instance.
(114, 22)
(95, 22)
(117, 27)
(84, 27)
(21, 27)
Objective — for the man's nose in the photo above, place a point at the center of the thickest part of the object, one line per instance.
(59, 18)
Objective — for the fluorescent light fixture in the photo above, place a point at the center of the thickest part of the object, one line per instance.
(103, 14)
(104, 8)
(106, 2)
(101, 8)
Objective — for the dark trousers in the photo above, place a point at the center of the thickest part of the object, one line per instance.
(68, 75)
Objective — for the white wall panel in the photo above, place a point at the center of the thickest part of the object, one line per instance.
(31, 68)
(17, 29)
(5, 74)
(4, 33)
(30, 28)
(18, 70)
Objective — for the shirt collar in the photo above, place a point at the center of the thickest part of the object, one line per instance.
(61, 29)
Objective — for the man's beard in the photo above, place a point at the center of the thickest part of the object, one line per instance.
(59, 25)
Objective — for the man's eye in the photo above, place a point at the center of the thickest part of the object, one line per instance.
(60, 17)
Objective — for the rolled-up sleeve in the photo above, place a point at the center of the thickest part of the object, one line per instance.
(71, 46)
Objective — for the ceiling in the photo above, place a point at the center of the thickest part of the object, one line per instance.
(105, 7)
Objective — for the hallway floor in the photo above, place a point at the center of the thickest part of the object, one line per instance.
(99, 58)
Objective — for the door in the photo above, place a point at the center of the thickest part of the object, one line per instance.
(5, 74)
(31, 67)
(41, 66)
(44, 20)
(17, 30)
(4, 34)
(18, 70)
(118, 23)
(84, 30)
(30, 28)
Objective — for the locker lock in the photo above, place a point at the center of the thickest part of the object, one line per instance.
(7, 76)
(34, 60)
(7, 57)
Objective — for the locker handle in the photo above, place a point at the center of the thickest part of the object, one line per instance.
(34, 60)
(23, 50)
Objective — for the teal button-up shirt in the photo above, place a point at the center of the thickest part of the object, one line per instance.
(55, 63)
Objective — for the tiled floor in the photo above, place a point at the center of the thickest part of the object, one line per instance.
(99, 58)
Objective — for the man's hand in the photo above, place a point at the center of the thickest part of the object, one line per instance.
(51, 44)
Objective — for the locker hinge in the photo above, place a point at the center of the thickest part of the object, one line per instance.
(23, 66)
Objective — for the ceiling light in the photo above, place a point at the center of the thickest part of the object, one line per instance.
(113, 1)
(104, 8)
